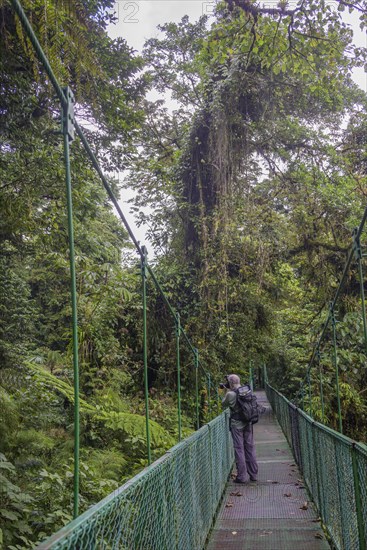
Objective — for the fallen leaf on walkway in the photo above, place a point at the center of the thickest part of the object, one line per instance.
(316, 520)
(292, 465)
(287, 494)
(236, 494)
(275, 481)
(277, 449)
(229, 505)
(234, 532)
(301, 486)
(300, 480)
(305, 506)
(318, 536)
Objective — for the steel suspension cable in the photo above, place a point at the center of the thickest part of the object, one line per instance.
(357, 233)
(145, 349)
(23, 18)
(356, 253)
(65, 105)
(67, 129)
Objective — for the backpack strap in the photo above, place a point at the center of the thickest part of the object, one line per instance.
(235, 414)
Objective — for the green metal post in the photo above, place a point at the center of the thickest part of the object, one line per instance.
(197, 388)
(358, 255)
(178, 333)
(314, 449)
(333, 322)
(309, 392)
(209, 397)
(358, 501)
(360, 270)
(318, 355)
(218, 400)
(145, 347)
(68, 133)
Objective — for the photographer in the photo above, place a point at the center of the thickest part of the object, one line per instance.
(242, 434)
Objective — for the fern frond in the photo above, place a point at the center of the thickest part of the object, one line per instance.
(134, 425)
(54, 383)
(128, 423)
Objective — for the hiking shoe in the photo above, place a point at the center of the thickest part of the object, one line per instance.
(239, 481)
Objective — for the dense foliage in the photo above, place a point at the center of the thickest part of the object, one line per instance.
(268, 184)
(254, 182)
(264, 187)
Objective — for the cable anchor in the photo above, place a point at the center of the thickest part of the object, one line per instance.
(68, 118)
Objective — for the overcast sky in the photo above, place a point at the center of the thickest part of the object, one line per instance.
(137, 21)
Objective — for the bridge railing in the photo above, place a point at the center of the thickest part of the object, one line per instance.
(171, 504)
(334, 468)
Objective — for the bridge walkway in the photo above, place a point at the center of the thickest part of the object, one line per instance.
(275, 513)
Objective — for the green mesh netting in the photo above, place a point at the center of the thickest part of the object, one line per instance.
(361, 452)
(334, 469)
(169, 505)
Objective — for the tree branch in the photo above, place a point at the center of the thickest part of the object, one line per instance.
(249, 7)
(352, 5)
(308, 245)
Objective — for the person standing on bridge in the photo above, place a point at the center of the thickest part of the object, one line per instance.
(242, 435)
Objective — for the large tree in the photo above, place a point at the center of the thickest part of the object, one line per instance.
(251, 174)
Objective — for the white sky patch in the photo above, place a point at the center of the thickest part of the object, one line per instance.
(137, 20)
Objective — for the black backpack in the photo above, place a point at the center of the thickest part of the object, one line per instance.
(246, 405)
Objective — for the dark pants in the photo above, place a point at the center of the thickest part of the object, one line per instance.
(244, 452)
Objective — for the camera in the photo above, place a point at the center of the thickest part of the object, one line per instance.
(224, 385)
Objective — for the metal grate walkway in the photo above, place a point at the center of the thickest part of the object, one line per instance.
(275, 513)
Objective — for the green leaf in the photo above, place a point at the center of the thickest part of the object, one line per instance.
(9, 515)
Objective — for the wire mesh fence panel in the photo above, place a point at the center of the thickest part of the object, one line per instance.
(171, 504)
(305, 450)
(343, 452)
(337, 484)
(296, 446)
(287, 421)
(330, 485)
(192, 490)
(283, 413)
(220, 456)
(319, 461)
(310, 458)
(361, 459)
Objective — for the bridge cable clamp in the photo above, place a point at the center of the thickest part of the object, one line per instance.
(357, 250)
(68, 118)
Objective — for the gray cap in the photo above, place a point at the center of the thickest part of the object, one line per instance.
(233, 379)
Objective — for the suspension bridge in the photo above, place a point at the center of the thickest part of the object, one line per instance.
(309, 477)
(312, 487)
